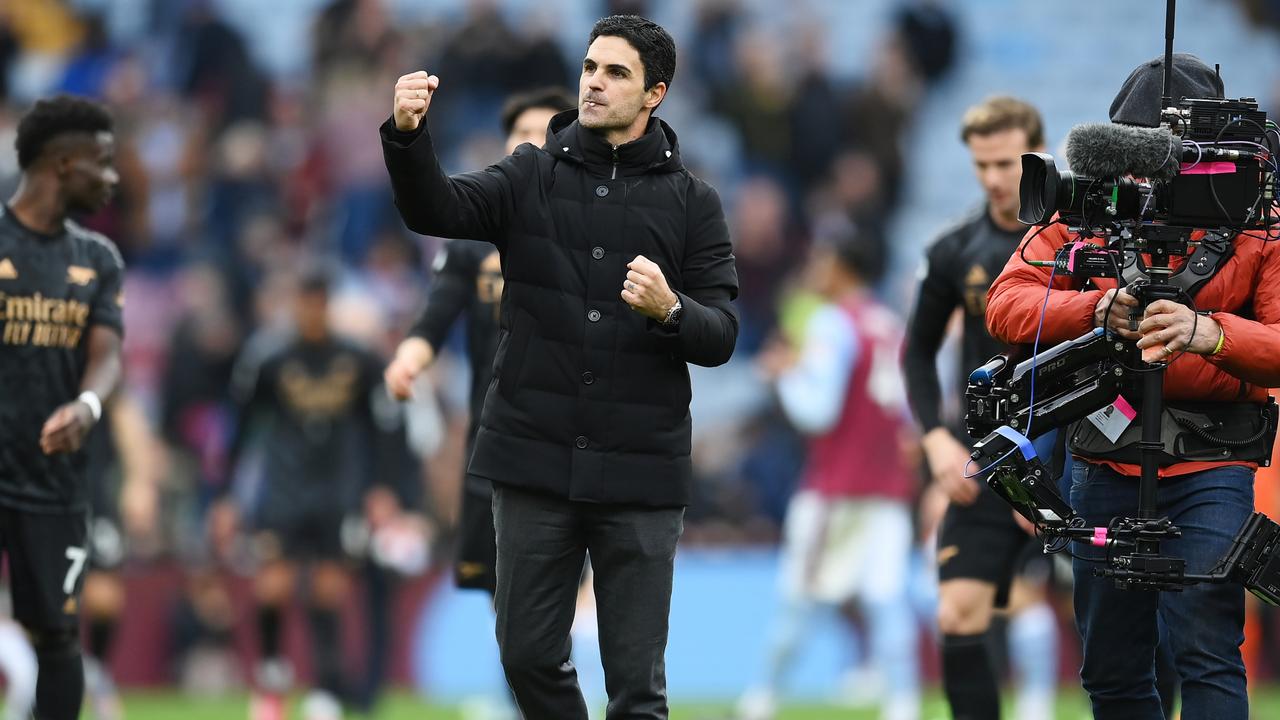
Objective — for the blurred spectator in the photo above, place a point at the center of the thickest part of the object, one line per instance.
(214, 69)
(45, 32)
(757, 102)
(767, 248)
(930, 33)
(816, 131)
(485, 60)
(352, 32)
(876, 115)
(8, 53)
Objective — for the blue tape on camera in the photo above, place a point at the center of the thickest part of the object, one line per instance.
(1017, 438)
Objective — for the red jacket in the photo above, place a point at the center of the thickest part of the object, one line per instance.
(1247, 365)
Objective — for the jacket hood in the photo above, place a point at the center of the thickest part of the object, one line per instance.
(658, 150)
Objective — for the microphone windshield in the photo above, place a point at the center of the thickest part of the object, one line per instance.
(1105, 150)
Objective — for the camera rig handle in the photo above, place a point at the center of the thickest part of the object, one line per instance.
(1071, 380)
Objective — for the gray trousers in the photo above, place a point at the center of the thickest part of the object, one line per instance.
(542, 545)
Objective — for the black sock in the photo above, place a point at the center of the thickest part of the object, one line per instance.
(60, 684)
(269, 631)
(102, 631)
(967, 678)
(326, 649)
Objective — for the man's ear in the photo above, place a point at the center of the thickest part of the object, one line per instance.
(654, 95)
(60, 154)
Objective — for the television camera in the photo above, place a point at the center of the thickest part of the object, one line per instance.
(1139, 197)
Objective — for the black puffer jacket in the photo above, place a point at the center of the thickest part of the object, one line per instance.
(590, 400)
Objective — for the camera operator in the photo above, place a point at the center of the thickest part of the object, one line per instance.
(980, 547)
(1224, 357)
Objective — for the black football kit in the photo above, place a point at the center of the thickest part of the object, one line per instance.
(465, 283)
(53, 289)
(309, 408)
(979, 541)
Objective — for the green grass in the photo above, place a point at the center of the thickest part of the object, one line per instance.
(404, 706)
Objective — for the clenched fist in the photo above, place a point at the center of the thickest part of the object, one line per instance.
(413, 97)
(646, 290)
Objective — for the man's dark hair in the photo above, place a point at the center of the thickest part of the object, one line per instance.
(657, 49)
(852, 249)
(317, 276)
(56, 116)
(550, 98)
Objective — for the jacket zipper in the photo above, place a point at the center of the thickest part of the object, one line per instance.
(614, 176)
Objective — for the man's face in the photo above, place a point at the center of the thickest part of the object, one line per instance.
(87, 170)
(530, 127)
(311, 313)
(821, 270)
(611, 93)
(997, 160)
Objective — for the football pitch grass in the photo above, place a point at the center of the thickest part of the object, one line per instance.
(162, 705)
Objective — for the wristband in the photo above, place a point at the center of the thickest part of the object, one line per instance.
(90, 398)
(1222, 338)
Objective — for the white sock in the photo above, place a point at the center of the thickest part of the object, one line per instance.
(1033, 648)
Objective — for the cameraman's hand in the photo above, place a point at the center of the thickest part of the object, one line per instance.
(1118, 321)
(1170, 324)
(947, 459)
(413, 97)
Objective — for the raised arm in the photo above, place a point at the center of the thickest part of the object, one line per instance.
(475, 205)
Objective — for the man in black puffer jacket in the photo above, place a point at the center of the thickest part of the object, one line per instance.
(618, 272)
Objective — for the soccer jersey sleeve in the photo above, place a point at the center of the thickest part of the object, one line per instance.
(108, 300)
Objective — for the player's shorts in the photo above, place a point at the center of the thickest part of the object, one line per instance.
(477, 547)
(837, 549)
(106, 535)
(300, 534)
(982, 542)
(46, 555)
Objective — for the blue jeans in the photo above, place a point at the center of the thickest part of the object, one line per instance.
(1204, 624)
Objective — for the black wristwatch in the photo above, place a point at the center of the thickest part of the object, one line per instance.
(673, 315)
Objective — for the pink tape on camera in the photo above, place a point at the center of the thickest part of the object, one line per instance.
(1209, 168)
